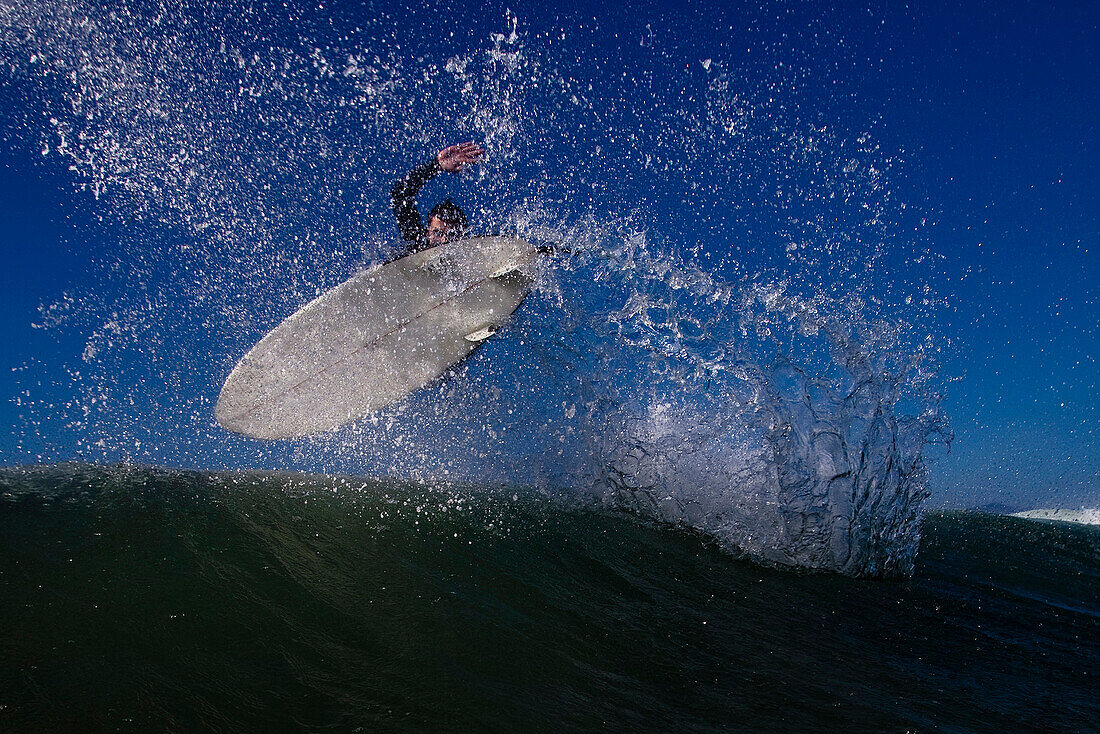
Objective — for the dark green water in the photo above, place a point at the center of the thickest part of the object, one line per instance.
(134, 599)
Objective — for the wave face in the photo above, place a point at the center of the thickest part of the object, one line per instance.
(742, 348)
(147, 599)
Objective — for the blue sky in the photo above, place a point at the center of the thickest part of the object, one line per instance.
(985, 112)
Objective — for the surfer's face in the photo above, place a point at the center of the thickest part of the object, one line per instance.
(440, 231)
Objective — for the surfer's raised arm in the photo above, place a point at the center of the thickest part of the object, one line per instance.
(446, 220)
(459, 157)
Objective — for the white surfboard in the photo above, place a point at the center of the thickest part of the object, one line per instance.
(376, 338)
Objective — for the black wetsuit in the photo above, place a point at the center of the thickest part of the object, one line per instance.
(409, 222)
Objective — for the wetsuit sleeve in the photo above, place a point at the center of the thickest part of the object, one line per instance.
(403, 194)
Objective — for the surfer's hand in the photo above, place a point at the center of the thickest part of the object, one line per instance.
(459, 157)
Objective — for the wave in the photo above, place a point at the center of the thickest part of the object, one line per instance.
(153, 598)
(1085, 516)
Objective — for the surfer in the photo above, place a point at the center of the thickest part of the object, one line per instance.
(446, 221)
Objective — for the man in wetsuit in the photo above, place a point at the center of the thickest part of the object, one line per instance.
(446, 221)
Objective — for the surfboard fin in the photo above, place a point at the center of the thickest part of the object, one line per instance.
(481, 334)
(501, 272)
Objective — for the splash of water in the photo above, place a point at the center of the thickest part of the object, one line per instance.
(781, 404)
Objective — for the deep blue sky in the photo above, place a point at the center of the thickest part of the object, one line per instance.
(992, 108)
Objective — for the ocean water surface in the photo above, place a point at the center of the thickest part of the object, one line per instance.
(143, 599)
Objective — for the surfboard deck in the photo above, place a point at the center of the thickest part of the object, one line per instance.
(376, 338)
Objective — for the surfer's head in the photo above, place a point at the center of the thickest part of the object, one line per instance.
(446, 222)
